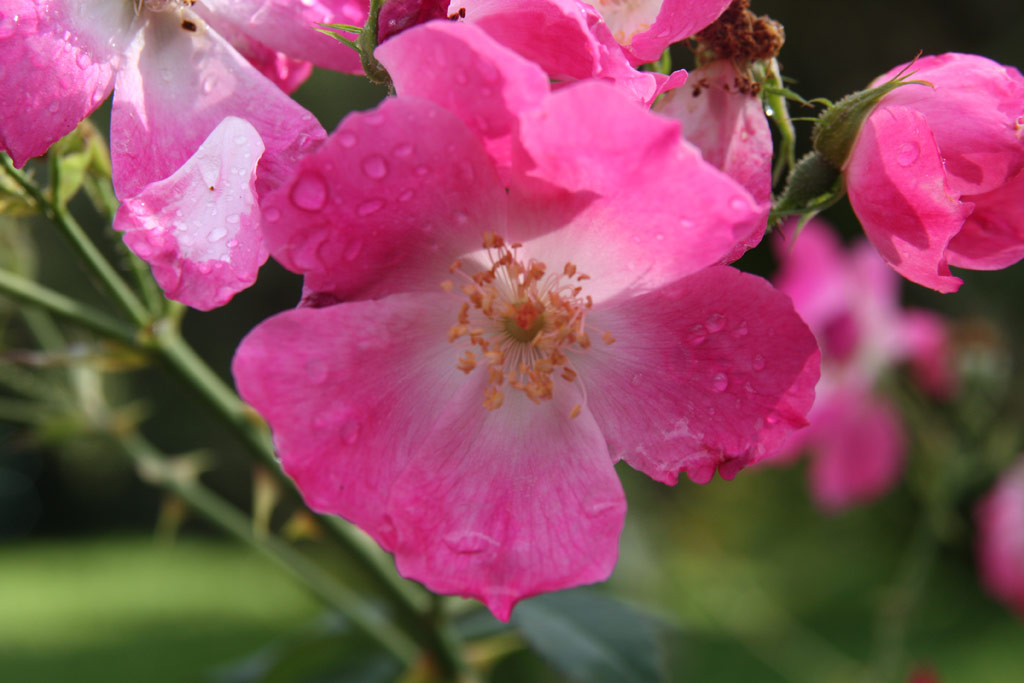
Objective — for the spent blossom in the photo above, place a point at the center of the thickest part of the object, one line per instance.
(850, 300)
(181, 93)
(489, 328)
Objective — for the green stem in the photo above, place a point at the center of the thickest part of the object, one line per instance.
(81, 242)
(32, 292)
(252, 431)
(786, 159)
(156, 467)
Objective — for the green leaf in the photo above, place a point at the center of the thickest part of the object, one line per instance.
(330, 651)
(590, 637)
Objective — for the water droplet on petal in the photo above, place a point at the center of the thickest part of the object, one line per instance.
(908, 153)
(405, 196)
(715, 322)
(352, 249)
(370, 207)
(758, 362)
(309, 191)
(697, 335)
(599, 507)
(719, 382)
(460, 76)
(741, 330)
(469, 542)
(272, 214)
(350, 432)
(316, 372)
(403, 151)
(346, 139)
(217, 234)
(375, 167)
(737, 203)
(422, 170)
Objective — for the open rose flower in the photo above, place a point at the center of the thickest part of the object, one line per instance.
(999, 519)
(936, 175)
(507, 333)
(850, 299)
(189, 113)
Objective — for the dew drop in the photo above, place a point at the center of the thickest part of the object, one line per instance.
(54, 106)
(217, 234)
(405, 196)
(737, 203)
(403, 151)
(369, 207)
(697, 335)
(240, 139)
(469, 542)
(598, 507)
(720, 382)
(346, 139)
(741, 330)
(375, 167)
(715, 322)
(460, 76)
(272, 214)
(908, 153)
(758, 362)
(233, 218)
(350, 432)
(309, 192)
(316, 371)
(422, 171)
(232, 244)
(352, 249)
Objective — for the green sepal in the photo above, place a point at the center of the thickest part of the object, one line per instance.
(838, 126)
(813, 186)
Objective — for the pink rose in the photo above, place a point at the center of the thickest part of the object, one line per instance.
(936, 175)
(999, 519)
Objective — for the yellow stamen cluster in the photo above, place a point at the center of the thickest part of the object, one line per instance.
(520, 321)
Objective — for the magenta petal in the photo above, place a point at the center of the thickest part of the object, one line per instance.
(463, 69)
(387, 203)
(896, 182)
(993, 235)
(975, 108)
(200, 228)
(710, 372)
(858, 445)
(176, 87)
(352, 392)
(643, 227)
(999, 518)
(290, 27)
(646, 28)
(503, 505)
(55, 69)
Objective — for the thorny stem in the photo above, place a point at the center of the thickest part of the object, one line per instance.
(82, 244)
(157, 468)
(163, 338)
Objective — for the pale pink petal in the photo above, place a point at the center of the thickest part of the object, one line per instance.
(57, 61)
(646, 28)
(729, 127)
(176, 86)
(570, 41)
(999, 519)
(975, 110)
(289, 26)
(352, 393)
(993, 235)
(857, 446)
(287, 73)
(710, 372)
(460, 67)
(657, 213)
(926, 337)
(387, 203)
(200, 228)
(813, 272)
(898, 190)
(503, 505)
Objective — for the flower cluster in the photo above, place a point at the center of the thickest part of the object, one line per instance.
(516, 268)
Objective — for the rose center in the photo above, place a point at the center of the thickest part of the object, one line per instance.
(521, 322)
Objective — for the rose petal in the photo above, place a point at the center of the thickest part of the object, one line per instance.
(387, 203)
(176, 87)
(896, 182)
(993, 235)
(710, 372)
(200, 228)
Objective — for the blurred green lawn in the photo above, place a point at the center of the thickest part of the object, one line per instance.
(132, 609)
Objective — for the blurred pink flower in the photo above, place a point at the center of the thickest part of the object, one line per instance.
(850, 300)
(999, 518)
(189, 113)
(511, 325)
(936, 175)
